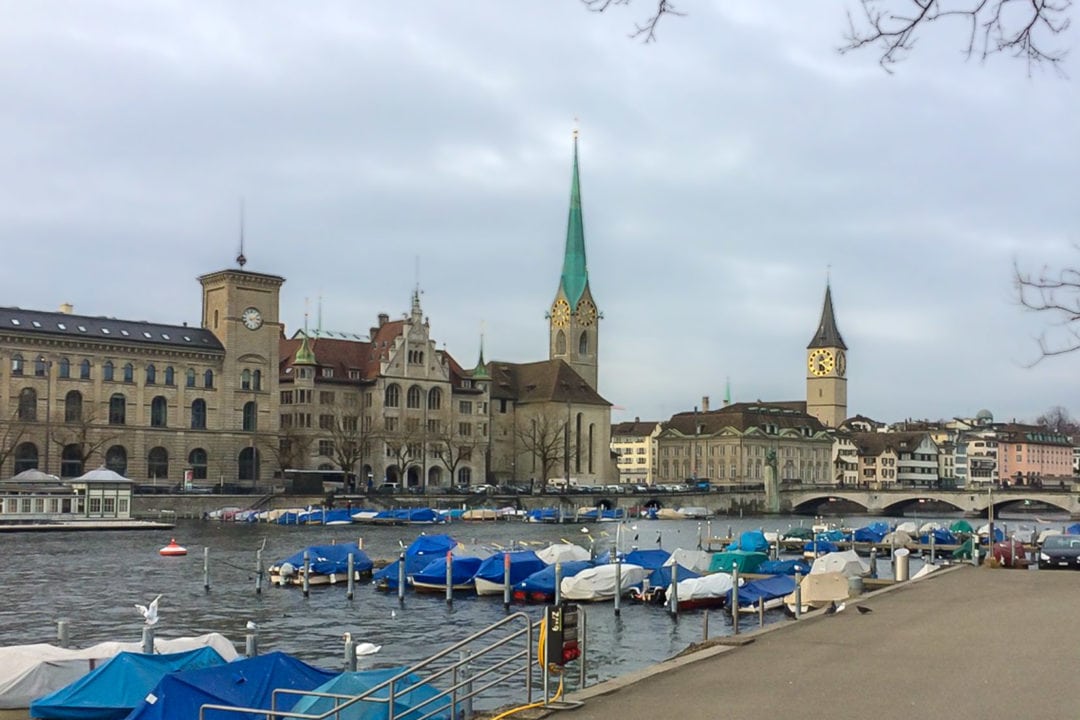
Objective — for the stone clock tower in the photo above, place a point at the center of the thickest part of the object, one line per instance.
(826, 370)
(241, 309)
(574, 320)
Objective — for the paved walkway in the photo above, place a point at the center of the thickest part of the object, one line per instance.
(965, 642)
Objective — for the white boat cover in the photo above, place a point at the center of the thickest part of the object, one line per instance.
(706, 586)
(563, 552)
(598, 583)
(909, 527)
(696, 560)
(897, 537)
(820, 589)
(930, 527)
(695, 512)
(845, 562)
(28, 672)
(924, 570)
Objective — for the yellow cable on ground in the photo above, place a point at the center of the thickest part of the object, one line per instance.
(541, 644)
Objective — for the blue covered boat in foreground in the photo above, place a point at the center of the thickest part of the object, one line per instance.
(329, 565)
(770, 590)
(412, 697)
(540, 586)
(433, 577)
(491, 575)
(418, 555)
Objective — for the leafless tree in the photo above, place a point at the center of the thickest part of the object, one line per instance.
(406, 446)
(1058, 419)
(452, 449)
(81, 431)
(646, 30)
(351, 439)
(1021, 28)
(1056, 294)
(11, 436)
(289, 447)
(543, 435)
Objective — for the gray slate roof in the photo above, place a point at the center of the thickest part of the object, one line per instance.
(85, 327)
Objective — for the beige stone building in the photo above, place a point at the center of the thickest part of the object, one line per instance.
(634, 445)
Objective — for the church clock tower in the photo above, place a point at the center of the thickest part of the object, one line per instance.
(826, 370)
(574, 319)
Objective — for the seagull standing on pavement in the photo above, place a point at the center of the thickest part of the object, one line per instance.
(150, 614)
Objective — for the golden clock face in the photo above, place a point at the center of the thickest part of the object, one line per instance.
(841, 363)
(586, 313)
(821, 362)
(560, 313)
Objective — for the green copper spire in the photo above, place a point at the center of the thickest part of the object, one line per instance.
(480, 371)
(575, 273)
(304, 354)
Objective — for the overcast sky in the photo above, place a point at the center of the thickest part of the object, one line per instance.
(724, 169)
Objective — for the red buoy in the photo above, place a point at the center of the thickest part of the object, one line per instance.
(172, 549)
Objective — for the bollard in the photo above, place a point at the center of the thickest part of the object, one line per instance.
(401, 578)
(798, 595)
(735, 600)
(506, 581)
(705, 626)
(901, 562)
(206, 569)
(62, 636)
(873, 563)
(449, 578)
(350, 653)
(674, 599)
(251, 641)
(307, 573)
(360, 542)
(350, 584)
(761, 612)
(148, 640)
(618, 585)
(699, 536)
(708, 536)
(258, 572)
(933, 548)
(558, 583)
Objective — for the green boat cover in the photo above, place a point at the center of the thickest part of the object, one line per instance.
(746, 562)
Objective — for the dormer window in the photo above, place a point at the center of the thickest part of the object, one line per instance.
(327, 372)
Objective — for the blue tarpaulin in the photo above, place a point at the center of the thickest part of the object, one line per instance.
(648, 559)
(523, 563)
(784, 567)
(764, 589)
(409, 693)
(327, 559)
(112, 690)
(242, 683)
(542, 582)
(417, 556)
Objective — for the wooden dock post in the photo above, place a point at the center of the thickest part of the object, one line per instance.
(449, 578)
(401, 579)
(735, 600)
(618, 584)
(306, 583)
(206, 569)
(258, 571)
(350, 584)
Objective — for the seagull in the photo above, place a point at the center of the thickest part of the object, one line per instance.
(251, 625)
(149, 613)
(863, 609)
(393, 613)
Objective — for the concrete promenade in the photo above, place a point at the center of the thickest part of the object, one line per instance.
(964, 642)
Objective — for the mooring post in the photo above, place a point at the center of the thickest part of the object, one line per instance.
(506, 581)
(558, 584)
(798, 594)
(258, 572)
(873, 562)
(148, 640)
(62, 637)
(307, 573)
(251, 640)
(705, 625)
(708, 538)
(618, 585)
(735, 600)
(729, 535)
(699, 536)
(674, 599)
(401, 579)
(761, 612)
(449, 578)
(206, 569)
(933, 548)
(350, 653)
(350, 584)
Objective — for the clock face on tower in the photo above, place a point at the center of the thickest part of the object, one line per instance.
(586, 313)
(560, 313)
(252, 318)
(821, 362)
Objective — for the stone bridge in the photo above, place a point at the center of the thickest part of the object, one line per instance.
(896, 501)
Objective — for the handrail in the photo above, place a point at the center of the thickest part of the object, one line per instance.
(391, 683)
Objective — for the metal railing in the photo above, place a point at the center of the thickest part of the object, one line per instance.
(477, 668)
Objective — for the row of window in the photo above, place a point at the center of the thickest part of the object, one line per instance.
(159, 410)
(249, 379)
(72, 461)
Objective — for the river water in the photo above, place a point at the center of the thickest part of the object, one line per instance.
(93, 579)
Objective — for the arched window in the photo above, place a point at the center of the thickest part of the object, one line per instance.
(151, 374)
(26, 457)
(576, 450)
(434, 399)
(107, 371)
(198, 414)
(159, 412)
(464, 476)
(64, 368)
(249, 464)
(116, 459)
(560, 343)
(592, 427)
(73, 407)
(117, 409)
(412, 399)
(16, 364)
(84, 370)
(170, 376)
(256, 380)
(197, 462)
(157, 463)
(251, 412)
(71, 462)
(245, 380)
(393, 396)
(190, 377)
(208, 379)
(129, 373)
(583, 343)
(28, 405)
(40, 367)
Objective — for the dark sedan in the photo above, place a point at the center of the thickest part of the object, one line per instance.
(1060, 551)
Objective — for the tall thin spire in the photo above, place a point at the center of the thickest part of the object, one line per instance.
(727, 392)
(827, 335)
(304, 354)
(575, 272)
(240, 259)
(480, 371)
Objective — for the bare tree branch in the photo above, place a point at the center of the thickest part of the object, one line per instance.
(544, 436)
(1057, 295)
(1019, 27)
(14, 431)
(646, 30)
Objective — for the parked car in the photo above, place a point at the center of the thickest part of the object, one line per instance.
(483, 488)
(1060, 551)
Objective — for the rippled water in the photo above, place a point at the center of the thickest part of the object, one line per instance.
(93, 579)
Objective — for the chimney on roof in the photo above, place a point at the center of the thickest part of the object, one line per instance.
(67, 308)
(383, 319)
(704, 403)
(637, 419)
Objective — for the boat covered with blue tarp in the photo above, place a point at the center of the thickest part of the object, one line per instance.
(650, 559)
(750, 541)
(418, 555)
(412, 697)
(491, 575)
(329, 565)
(941, 536)
(246, 683)
(784, 567)
(112, 690)
(767, 590)
(433, 576)
(661, 576)
(540, 586)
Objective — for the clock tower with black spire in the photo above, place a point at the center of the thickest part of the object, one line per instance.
(574, 320)
(826, 369)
